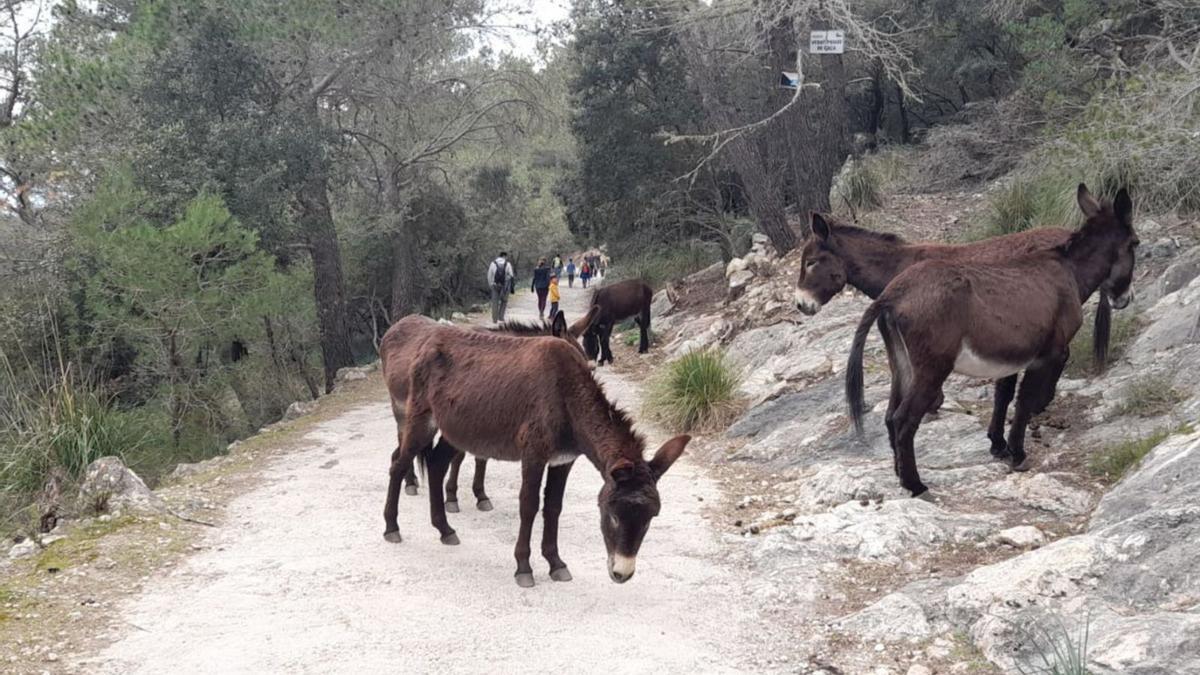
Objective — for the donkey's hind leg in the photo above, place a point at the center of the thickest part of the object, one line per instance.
(410, 483)
(897, 391)
(417, 436)
(481, 499)
(1005, 388)
(1035, 393)
(644, 329)
(437, 460)
(556, 485)
(908, 418)
(452, 482)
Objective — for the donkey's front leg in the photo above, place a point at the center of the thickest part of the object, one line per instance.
(1036, 392)
(416, 436)
(1005, 388)
(437, 459)
(531, 482)
(556, 485)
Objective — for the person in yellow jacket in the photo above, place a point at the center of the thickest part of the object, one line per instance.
(554, 296)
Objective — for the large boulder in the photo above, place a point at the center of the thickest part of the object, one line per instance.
(299, 409)
(109, 484)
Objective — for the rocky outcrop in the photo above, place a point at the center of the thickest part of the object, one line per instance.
(110, 485)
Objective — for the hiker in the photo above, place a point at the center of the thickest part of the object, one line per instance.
(499, 279)
(570, 273)
(541, 285)
(554, 296)
(556, 268)
(585, 273)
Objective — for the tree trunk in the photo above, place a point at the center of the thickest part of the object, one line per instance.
(328, 292)
(406, 279)
(822, 130)
(764, 192)
(904, 133)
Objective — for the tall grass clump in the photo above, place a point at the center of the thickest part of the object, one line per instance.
(1125, 327)
(1116, 460)
(657, 266)
(1058, 650)
(1150, 396)
(696, 392)
(1028, 202)
(55, 424)
(859, 187)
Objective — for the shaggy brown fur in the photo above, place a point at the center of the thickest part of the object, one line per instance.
(940, 316)
(544, 410)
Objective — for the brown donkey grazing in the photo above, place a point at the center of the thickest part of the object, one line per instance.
(991, 320)
(836, 255)
(618, 302)
(398, 352)
(542, 409)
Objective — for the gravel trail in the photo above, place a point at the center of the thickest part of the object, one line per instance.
(299, 578)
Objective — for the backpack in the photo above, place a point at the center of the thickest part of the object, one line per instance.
(501, 274)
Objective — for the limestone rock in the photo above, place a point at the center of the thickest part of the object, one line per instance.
(661, 304)
(109, 483)
(1021, 536)
(895, 617)
(299, 409)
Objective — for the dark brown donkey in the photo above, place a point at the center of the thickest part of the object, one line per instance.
(991, 320)
(618, 302)
(544, 410)
(836, 255)
(408, 339)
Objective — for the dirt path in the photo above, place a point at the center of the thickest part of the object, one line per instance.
(299, 579)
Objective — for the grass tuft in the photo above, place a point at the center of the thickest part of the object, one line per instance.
(1059, 650)
(696, 392)
(1026, 203)
(1116, 460)
(859, 187)
(1150, 396)
(1125, 327)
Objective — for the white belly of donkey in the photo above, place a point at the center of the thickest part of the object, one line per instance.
(972, 364)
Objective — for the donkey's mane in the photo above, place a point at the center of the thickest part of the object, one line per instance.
(616, 415)
(856, 231)
(520, 328)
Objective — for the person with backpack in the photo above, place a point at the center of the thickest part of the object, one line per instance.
(570, 273)
(556, 267)
(585, 273)
(499, 279)
(541, 285)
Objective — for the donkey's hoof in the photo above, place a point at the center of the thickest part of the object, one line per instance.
(393, 536)
(925, 495)
(484, 505)
(1021, 466)
(451, 539)
(525, 579)
(410, 489)
(451, 507)
(560, 574)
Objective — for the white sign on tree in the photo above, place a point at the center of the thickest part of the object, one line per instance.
(827, 42)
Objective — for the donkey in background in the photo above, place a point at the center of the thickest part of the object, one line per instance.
(836, 255)
(615, 303)
(545, 410)
(991, 320)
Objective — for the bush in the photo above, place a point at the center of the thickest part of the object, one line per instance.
(633, 337)
(659, 266)
(1041, 200)
(1125, 327)
(859, 187)
(1150, 396)
(696, 392)
(1115, 460)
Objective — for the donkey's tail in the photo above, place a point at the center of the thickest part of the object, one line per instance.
(1101, 332)
(854, 367)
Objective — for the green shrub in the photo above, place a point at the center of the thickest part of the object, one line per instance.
(658, 266)
(1150, 396)
(633, 337)
(696, 392)
(1042, 200)
(858, 188)
(1115, 460)
(1124, 328)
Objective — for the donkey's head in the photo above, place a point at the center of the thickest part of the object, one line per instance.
(628, 501)
(822, 270)
(1108, 237)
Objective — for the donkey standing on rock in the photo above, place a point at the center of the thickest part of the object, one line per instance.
(837, 255)
(991, 320)
(543, 409)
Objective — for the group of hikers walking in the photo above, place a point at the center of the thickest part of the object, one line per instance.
(502, 280)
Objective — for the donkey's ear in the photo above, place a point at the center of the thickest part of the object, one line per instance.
(621, 470)
(558, 325)
(1123, 207)
(667, 454)
(1087, 203)
(820, 227)
(582, 325)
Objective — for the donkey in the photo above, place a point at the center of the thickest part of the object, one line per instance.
(544, 410)
(617, 303)
(404, 343)
(838, 254)
(991, 320)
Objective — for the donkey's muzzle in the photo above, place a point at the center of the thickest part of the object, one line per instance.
(621, 568)
(806, 303)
